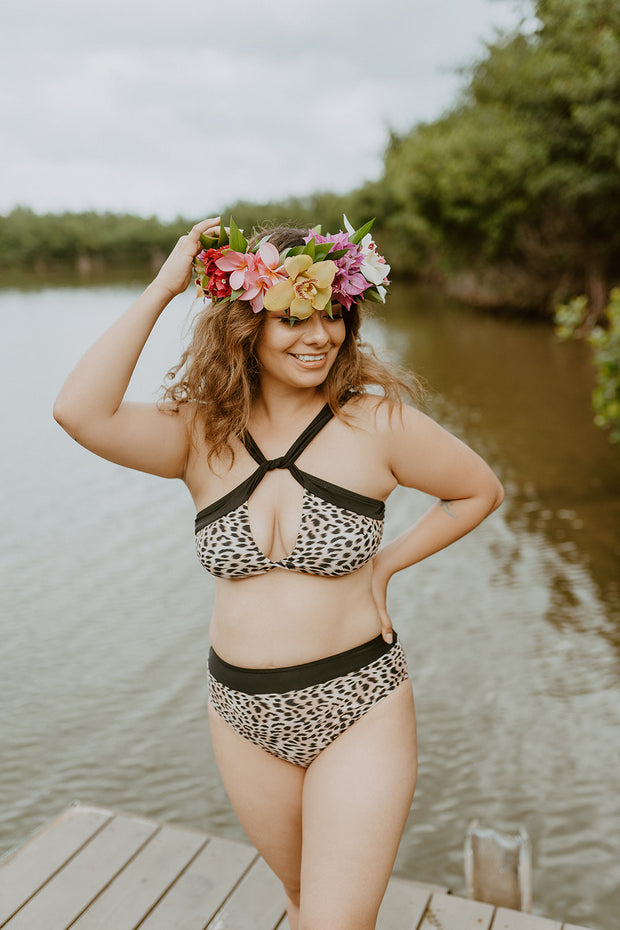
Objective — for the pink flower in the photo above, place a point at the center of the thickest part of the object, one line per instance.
(349, 282)
(252, 273)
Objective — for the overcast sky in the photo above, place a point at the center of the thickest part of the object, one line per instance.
(181, 107)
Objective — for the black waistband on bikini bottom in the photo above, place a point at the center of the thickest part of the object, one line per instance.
(292, 677)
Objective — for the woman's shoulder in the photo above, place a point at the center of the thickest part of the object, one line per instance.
(377, 413)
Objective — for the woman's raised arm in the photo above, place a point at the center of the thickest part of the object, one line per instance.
(90, 404)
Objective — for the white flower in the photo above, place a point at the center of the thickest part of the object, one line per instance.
(374, 267)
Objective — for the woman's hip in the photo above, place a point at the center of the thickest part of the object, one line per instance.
(296, 711)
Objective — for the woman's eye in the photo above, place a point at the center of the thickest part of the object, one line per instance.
(294, 321)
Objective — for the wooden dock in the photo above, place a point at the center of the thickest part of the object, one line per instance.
(97, 869)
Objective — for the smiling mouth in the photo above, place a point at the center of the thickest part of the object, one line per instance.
(310, 358)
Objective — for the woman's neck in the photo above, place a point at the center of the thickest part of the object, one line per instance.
(273, 407)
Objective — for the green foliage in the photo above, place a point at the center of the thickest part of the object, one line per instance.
(238, 242)
(605, 343)
(466, 175)
(572, 320)
(527, 168)
(564, 82)
(569, 317)
(41, 242)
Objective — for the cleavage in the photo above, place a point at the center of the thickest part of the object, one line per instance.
(275, 510)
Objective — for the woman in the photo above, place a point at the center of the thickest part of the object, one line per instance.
(289, 460)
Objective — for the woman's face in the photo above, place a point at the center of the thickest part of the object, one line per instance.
(300, 355)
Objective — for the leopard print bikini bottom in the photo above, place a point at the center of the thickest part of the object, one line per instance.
(295, 712)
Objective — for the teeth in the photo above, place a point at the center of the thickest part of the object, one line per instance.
(310, 358)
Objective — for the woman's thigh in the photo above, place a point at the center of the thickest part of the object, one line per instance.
(266, 793)
(356, 797)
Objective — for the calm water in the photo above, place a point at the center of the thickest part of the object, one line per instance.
(512, 634)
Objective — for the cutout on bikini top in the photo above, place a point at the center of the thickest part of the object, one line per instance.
(339, 530)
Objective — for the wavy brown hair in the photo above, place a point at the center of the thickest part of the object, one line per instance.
(219, 371)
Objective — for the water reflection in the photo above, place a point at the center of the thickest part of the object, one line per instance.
(520, 397)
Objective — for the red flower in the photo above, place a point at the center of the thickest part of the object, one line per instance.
(215, 282)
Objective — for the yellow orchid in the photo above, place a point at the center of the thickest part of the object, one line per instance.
(308, 287)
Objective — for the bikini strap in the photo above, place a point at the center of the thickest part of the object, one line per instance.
(287, 460)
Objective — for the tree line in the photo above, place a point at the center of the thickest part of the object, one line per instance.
(44, 242)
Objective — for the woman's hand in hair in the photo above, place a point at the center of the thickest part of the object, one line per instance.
(176, 273)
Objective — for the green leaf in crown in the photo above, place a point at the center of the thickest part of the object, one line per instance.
(236, 239)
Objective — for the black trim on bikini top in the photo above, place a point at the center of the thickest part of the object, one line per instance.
(332, 493)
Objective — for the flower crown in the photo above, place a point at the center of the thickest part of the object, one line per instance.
(344, 268)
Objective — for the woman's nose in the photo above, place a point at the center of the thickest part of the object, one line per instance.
(315, 329)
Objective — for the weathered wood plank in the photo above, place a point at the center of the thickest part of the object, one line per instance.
(447, 912)
(76, 885)
(258, 902)
(96, 869)
(403, 905)
(135, 891)
(203, 887)
(26, 869)
(516, 920)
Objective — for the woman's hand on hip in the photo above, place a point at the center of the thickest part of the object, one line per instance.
(379, 583)
(176, 272)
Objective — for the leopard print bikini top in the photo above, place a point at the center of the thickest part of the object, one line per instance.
(339, 531)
